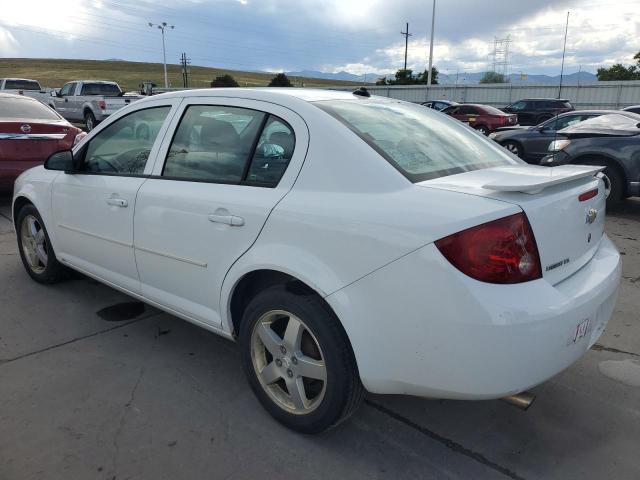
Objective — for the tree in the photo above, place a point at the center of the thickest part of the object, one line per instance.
(424, 76)
(620, 71)
(382, 81)
(280, 80)
(493, 77)
(404, 77)
(224, 81)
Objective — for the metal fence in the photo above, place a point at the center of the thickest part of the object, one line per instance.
(605, 95)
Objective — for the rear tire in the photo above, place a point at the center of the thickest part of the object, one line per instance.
(298, 360)
(483, 129)
(36, 252)
(89, 121)
(615, 179)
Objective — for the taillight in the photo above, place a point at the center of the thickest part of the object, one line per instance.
(102, 104)
(79, 138)
(583, 197)
(501, 251)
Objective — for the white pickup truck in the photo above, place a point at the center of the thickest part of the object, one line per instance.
(89, 101)
(24, 86)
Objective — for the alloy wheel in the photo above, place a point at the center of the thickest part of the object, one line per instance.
(288, 362)
(513, 148)
(34, 244)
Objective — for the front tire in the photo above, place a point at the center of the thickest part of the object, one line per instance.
(514, 148)
(35, 248)
(298, 360)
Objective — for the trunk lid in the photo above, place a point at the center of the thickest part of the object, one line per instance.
(567, 230)
(29, 141)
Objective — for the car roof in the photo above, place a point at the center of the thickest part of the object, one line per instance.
(546, 99)
(23, 97)
(283, 94)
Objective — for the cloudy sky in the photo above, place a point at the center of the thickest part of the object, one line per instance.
(358, 36)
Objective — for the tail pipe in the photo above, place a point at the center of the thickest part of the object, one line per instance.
(522, 400)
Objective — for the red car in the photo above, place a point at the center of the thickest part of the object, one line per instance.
(29, 132)
(483, 118)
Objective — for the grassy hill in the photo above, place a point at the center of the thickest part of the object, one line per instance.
(55, 72)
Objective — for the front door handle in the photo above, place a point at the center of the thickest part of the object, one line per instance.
(231, 220)
(117, 202)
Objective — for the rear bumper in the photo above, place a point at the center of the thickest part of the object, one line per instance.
(420, 327)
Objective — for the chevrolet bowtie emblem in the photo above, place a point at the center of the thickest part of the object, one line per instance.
(592, 213)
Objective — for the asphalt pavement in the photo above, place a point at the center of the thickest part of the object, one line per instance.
(86, 394)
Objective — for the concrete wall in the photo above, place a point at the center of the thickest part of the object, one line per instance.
(606, 95)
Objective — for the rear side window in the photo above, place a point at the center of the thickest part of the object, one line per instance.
(104, 89)
(273, 153)
(213, 143)
(22, 85)
(26, 109)
(420, 143)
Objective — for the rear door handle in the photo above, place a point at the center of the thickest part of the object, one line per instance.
(231, 220)
(117, 202)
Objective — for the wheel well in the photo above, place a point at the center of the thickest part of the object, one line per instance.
(608, 162)
(17, 206)
(255, 282)
(88, 110)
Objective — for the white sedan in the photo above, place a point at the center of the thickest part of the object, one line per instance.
(346, 242)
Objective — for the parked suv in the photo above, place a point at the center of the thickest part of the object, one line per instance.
(533, 111)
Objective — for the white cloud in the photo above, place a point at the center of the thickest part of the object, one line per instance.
(9, 46)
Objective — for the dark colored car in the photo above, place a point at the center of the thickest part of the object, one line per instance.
(29, 132)
(439, 104)
(534, 111)
(483, 118)
(632, 109)
(612, 141)
(532, 143)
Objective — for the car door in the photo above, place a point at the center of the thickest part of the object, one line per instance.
(93, 208)
(538, 145)
(225, 168)
(61, 103)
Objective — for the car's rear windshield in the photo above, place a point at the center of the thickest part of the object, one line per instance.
(21, 85)
(25, 108)
(105, 89)
(420, 142)
(491, 110)
(566, 104)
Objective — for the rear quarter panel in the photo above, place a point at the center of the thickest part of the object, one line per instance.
(625, 151)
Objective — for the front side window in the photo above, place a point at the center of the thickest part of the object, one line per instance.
(420, 143)
(518, 106)
(67, 89)
(124, 146)
(213, 143)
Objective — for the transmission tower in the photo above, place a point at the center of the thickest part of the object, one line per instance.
(501, 55)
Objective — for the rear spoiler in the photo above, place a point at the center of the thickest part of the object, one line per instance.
(533, 179)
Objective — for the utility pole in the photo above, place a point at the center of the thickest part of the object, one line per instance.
(186, 70)
(433, 24)
(564, 49)
(406, 44)
(162, 27)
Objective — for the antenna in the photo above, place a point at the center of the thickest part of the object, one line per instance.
(564, 50)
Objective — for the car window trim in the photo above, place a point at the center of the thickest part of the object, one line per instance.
(83, 151)
(243, 181)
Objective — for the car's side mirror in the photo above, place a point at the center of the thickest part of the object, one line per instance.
(61, 161)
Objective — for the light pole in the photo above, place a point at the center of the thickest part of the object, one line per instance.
(433, 23)
(162, 26)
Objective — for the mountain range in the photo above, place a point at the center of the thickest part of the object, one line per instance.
(462, 78)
